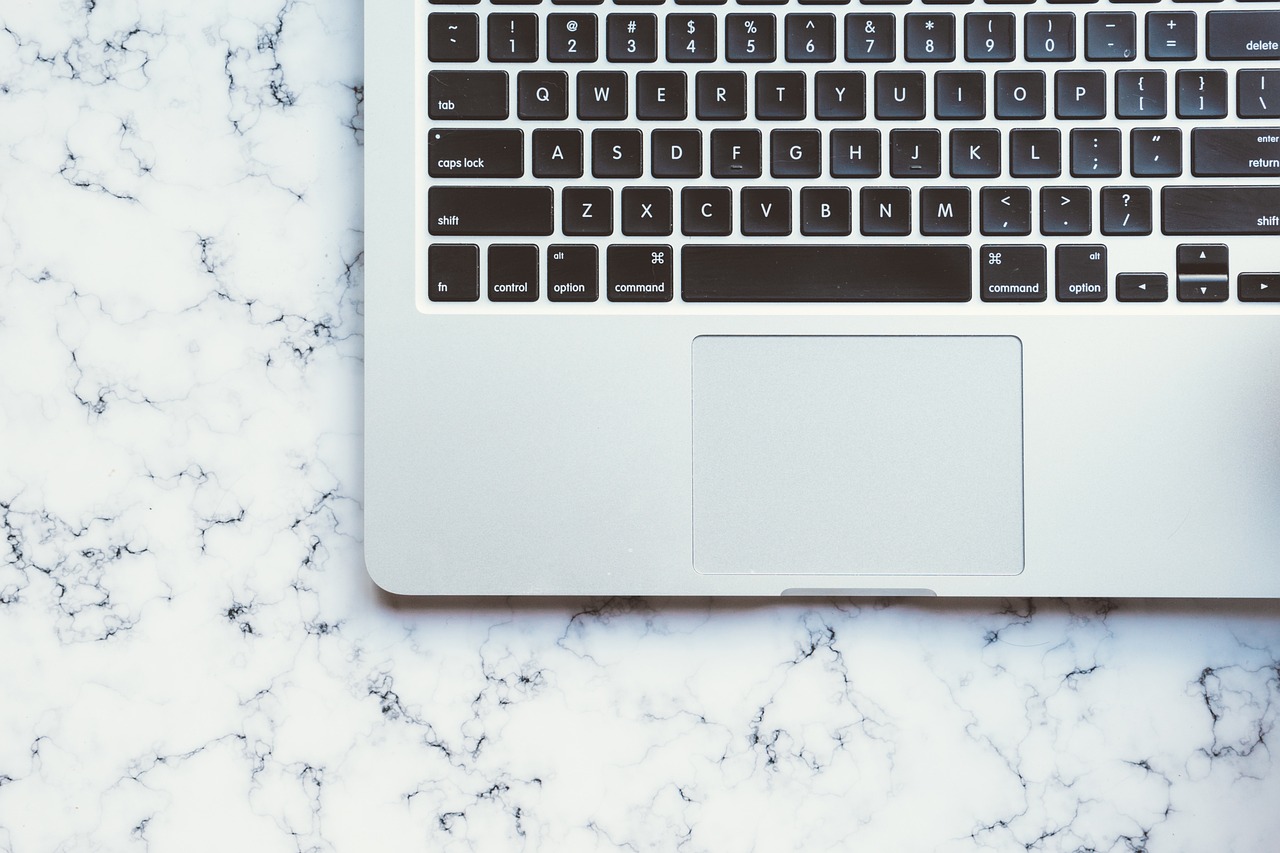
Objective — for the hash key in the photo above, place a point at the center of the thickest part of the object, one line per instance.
(631, 38)
(453, 37)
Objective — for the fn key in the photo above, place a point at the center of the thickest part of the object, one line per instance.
(453, 272)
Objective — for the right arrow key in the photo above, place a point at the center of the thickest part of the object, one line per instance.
(1258, 287)
(1202, 272)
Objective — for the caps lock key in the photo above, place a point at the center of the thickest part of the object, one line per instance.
(466, 153)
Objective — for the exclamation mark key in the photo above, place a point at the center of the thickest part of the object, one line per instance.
(1203, 272)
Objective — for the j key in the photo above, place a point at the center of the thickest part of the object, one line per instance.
(1110, 36)
(646, 211)
(1243, 35)
(766, 211)
(721, 95)
(675, 153)
(930, 37)
(1221, 209)
(1020, 94)
(1080, 273)
(557, 153)
(602, 95)
(960, 95)
(489, 211)
(811, 38)
(1050, 36)
(780, 95)
(836, 272)
(1227, 152)
(735, 153)
(660, 95)
(1005, 210)
(586, 211)
(1202, 94)
(869, 38)
(1258, 93)
(989, 38)
(855, 153)
(453, 272)
(1095, 153)
(1142, 287)
(1155, 152)
(975, 153)
(1066, 211)
(640, 273)
(1080, 94)
(900, 95)
(842, 96)
(1035, 153)
(513, 38)
(915, 153)
(467, 95)
(571, 37)
(795, 153)
(886, 211)
(542, 95)
(706, 211)
(944, 211)
(1258, 287)
(631, 38)
(1171, 35)
(1141, 94)
(1203, 272)
(573, 273)
(617, 153)
(467, 153)
(453, 37)
(513, 273)
(825, 211)
(1126, 210)
(750, 38)
(1012, 274)
(691, 38)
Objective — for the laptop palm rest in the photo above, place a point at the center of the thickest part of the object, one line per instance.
(857, 455)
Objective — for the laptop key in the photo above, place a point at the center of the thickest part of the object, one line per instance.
(1226, 152)
(467, 153)
(1258, 287)
(489, 211)
(1258, 93)
(573, 273)
(640, 273)
(513, 273)
(453, 37)
(1203, 272)
(1253, 35)
(1081, 273)
(1219, 209)
(466, 95)
(453, 272)
(1126, 211)
(1012, 273)
(1142, 287)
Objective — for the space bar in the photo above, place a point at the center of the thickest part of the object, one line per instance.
(825, 273)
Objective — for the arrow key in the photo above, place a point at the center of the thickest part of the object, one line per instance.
(1202, 272)
(1142, 287)
(1258, 287)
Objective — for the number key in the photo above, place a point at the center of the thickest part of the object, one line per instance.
(513, 38)
(869, 38)
(750, 38)
(989, 38)
(631, 38)
(691, 38)
(811, 38)
(931, 37)
(571, 38)
(1050, 36)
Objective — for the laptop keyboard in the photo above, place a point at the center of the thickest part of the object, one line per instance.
(591, 152)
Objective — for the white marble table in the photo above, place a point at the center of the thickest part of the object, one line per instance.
(194, 659)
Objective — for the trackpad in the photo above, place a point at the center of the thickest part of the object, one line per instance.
(857, 455)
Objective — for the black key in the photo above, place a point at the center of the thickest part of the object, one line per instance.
(586, 211)
(571, 37)
(453, 272)
(1258, 287)
(1221, 209)
(989, 37)
(573, 273)
(886, 211)
(509, 2)
(557, 153)
(766, 211)
(1243, 35)
(467, 95)
(675, 153)
(735, 153)
(467, 153)
(1035, 153)
(577, 2)
(1202, 94)
(900, 95)
(542, 95)
(795, 153)
(660, 95)
(453, 37)
(1005, 210)
(869, 38)
(975, 153)
(855, 153)
(631, 38)
(825, 211)
(646, 211)
(513, 38)
(602, 95)
(1080, 94)
(453, 3)
(930, 37)
(780, 95)
(513, 273)
(721, 95)
(1142, 287)
(1066, 211)
(1110, 36)
(1050, 36)
(617, 153)
(706, 211)
(489, 211)
(1155, 152)
(811, 38)
(944, 211)
(1012, 274)
(1171, 35)
(1095, 153)
(838, 272)
(750, 38)
(1225, 152)
(1141, 94)
(691, 38)
(915, 153)
(639, 273)
(1080, 273)
(842, 95)
(1203, 272)
(960, 95)
(1258, 93)
(1020, 94)
(1126, 210)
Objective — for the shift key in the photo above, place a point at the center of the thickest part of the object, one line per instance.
(490, 211)
(469, 153)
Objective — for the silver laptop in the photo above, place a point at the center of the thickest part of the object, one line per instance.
(779, 298)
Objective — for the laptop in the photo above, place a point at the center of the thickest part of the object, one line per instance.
(767, 298)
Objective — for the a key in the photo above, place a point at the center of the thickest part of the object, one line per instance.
(1142, 287)
(1228, 152)
(631, 38)
(1251, 35)
(1012, 273)
(1155, 152)
(602, 95)
(1095, 153)
(557, 153)
(1258, 287)
(1020, 94)
(915, 153)
(855, 153)
(489, 211)
(1171, 35)
(1066, 211)
(1218, 209)
(841, 95)
(646, 211)
(513, 38)
(735, 153)
(1141, 94)
(453, 37)
(825, 211)
(869, 38)
(1080, 94)
(1110, 36)
(468, 153)
(661, 95)
(691, 38)
(766, 211)
(513, 273)
(795, 153)
(900, 95)
(930, 37)
(571, 37)
(885, 211)
(640, 273)
(453, 272)
(1126, 210)
(1005, 210)
(1080, 273)
(1049, 36)
(721, 95)
(706, 211)
(944, 211)
(573, 273)
(780, 95)
(586, 211)
(617, 153)
(960, 95)
(750, 38)
(1203, 272)
(675, 153)
(975, 153)
(467, 95)
(1202, 94)
(810, 38)
(989, 37)
(1035, 153)
(542, 95)
(1258, 93)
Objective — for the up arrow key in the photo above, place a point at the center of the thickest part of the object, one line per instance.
(1202, 272)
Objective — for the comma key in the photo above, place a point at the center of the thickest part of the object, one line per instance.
(641, 273)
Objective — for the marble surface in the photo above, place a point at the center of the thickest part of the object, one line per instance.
(193, 658)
